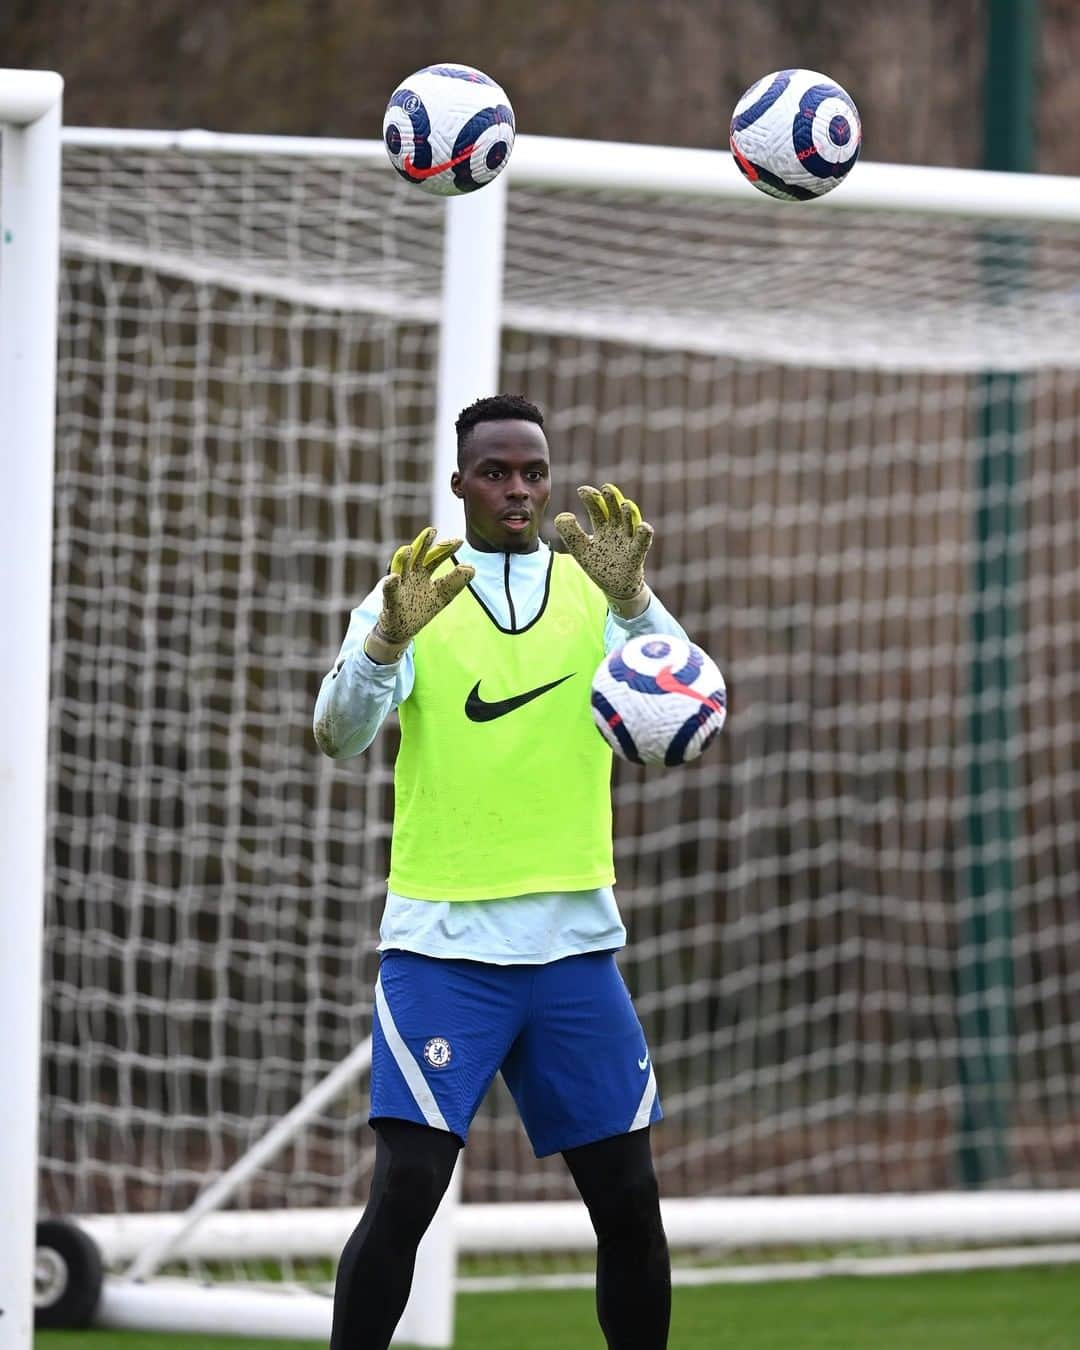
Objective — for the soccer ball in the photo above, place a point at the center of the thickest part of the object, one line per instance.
(795, 134)
(449, 129)
(658, 700)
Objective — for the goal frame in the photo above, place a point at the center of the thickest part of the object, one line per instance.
(468, 369)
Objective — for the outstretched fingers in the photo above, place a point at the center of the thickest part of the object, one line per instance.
(630, 516)
(440, 552)
(391, 617)
(453, 583)
(595, 506)
(621, 511)
(641, 541)
(613, 501)
(411, 555)
(422, 552)
(571, 533)
(608, 511)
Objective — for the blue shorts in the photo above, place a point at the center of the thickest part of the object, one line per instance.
(564, 1035)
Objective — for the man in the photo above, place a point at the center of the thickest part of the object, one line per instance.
(498, 938)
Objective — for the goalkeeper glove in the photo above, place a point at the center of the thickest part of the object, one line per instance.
(613, 556)
(412, 596)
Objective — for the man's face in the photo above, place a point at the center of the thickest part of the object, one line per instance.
(504, 481)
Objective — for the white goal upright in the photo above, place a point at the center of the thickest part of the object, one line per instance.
(853, 424)
(29, 233)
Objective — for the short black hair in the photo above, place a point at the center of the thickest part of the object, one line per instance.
(497, 408)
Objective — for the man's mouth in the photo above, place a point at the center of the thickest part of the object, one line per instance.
(516, 520)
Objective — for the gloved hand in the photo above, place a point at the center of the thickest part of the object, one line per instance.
(613, 556)
(411, 596)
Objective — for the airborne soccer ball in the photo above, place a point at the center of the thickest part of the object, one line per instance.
(795, 134)
(449, 129)
(658, 700)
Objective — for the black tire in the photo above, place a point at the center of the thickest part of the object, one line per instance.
(68, 1275)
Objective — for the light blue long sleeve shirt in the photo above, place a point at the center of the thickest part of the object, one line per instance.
(358, 695)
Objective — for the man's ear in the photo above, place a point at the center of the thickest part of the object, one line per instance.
(455, 484)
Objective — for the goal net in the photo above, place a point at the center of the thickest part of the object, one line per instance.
(851, 923)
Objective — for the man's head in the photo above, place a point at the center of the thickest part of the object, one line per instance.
(503, 474)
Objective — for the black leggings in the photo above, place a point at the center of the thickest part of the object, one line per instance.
(413, 1166)
(633, 1270)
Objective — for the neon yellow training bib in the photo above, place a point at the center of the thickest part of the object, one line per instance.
(502, 784)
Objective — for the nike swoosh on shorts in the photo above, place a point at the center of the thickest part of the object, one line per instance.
(478, 710)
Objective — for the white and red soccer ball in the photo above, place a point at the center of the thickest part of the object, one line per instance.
(795, 134)
(449, 129)
(658, 700)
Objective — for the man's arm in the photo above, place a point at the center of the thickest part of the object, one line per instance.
(358, 694)
(613, 556)
(368, 678)
(653, 619)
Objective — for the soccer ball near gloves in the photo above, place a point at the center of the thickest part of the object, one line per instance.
(658, 700)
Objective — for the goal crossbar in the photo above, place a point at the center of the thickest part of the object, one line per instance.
(552, 161)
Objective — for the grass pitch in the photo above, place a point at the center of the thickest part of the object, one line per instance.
(1035, 1308)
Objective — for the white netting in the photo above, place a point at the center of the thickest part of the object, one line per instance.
(800, 402)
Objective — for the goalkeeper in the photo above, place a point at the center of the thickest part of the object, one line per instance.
(498, 939)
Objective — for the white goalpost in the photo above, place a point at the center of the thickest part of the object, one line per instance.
(29, 257)
(853, 425)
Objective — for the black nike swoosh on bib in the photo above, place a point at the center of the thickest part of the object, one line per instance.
(477, 710)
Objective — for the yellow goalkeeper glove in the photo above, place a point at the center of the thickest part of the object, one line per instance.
(613, 556)
(412, 596)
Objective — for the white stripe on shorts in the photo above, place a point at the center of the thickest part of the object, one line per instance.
(410, 1070)
(645, 1106)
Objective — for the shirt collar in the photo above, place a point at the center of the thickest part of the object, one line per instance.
(484, 561)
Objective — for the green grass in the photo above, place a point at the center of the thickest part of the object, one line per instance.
(1036, 1308)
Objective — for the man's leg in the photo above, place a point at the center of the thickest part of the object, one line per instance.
(413, 1166)
(633, 1270)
